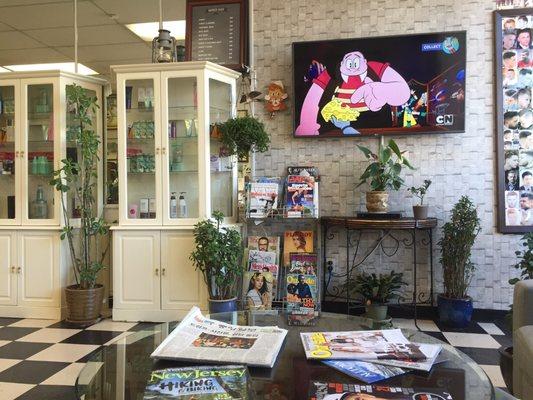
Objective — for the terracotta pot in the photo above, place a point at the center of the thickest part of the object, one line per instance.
(420, 212)
(84, 305)
(377, 201)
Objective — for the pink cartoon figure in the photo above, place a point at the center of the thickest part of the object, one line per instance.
(366, 86)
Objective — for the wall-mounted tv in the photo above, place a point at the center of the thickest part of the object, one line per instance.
(409, 84)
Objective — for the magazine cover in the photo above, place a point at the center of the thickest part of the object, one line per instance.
(200, 339)
(265, 261)
(300, 198)
(301, 292)
(263, 198)
(389, 344)
(338, 391)
(257, 289)
(420, 365)
(304, 171)
(309, 318)
(208, 382)
(296, 242)
(264, 243)
(303, 263)
(364, 371)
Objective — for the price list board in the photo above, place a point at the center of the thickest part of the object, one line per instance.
(216, 32)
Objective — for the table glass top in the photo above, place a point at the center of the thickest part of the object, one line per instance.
(122, 369)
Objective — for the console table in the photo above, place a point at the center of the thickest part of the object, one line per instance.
(354, 228)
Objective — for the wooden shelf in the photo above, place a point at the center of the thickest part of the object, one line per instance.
(359, 223)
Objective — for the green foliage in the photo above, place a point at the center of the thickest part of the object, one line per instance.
(217, 255)
(386, 165)
(420, 191)
(456, 244)
(378, 289)
(80, 179)
(242, 135)
(525, 263)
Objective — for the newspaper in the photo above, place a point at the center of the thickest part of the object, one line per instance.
(388, 344)
(198, 338)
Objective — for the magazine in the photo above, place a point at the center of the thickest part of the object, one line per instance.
(336, 391)
(200, 339)
(296, 242)
(365, 371)
(203, 382)
(300, 198)
(263, 198)
(304, 171)
(389, 344)
(303, 263)
(421, 365)
(264, 261)
(301, 293)
(299, 318)
(264, 243)
(257, 287)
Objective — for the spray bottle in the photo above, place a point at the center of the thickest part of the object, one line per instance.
(182, 206)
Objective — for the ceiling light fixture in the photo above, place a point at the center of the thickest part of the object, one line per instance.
(164, 45)
(66, 67)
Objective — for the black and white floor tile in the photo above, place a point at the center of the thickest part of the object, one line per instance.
(40, 359)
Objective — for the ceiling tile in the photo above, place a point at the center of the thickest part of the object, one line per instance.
(17, 40)
(130, 11)
(11, 3)
(4, 27)
(108, 53)
(31, 56)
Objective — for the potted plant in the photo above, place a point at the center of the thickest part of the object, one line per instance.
(243, 135)
(217, 255)
(382, 174)
(377, 291)
(454, 305)
(79, 178)
(525, 266)
(420, 211)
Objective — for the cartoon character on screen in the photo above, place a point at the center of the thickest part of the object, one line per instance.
(415, 107)
(366, 86)
(275, 98)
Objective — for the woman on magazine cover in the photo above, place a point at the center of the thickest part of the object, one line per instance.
(258, 296)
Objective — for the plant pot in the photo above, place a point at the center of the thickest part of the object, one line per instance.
(376, 312)
(420, 212)
(377, 201)
(506, 366)
(456, 313)
(222, 306)
(84, 305)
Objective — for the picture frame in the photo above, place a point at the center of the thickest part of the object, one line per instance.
(228, 20)
(513, 63)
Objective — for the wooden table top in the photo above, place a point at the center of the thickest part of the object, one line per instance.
(365, 223)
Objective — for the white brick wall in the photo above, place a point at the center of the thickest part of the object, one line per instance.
(457, 163)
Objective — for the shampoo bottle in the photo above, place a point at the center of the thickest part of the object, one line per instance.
(173, 206)
(182, 206)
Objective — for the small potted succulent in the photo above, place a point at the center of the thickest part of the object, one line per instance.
(420, 211)
(455, 305)
(377, 291)
(383, 174)
(217, 255)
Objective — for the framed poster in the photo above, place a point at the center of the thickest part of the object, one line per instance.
(217, 31)
(405, 84)
(514, 118)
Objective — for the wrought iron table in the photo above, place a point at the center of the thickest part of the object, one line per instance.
(354, 229)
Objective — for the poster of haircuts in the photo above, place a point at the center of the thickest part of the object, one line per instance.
(514, 125)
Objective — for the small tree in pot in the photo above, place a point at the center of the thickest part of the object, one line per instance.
(420, 211)
(382, 174)
(84, 299)
(217, 255)
(455, 306)
(243, 135)
(377, 291)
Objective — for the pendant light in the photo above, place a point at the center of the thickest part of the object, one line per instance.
(164, 45)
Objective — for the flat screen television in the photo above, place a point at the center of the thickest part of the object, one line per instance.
(409, 84)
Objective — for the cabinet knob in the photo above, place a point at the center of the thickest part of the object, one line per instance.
(163, 271)
(22, 154)
(157, 272)
(19, 270)
(17, 154)
(163, 150)
(13, 269)
(157, 150)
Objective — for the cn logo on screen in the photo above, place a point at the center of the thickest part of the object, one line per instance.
(444, 119)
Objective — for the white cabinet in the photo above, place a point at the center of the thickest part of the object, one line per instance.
(8, 279)
(154, 280)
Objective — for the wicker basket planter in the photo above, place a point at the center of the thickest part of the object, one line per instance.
(84, 305)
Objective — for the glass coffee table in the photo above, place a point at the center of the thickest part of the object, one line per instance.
(122, 369)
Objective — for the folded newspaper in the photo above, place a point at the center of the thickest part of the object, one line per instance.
(198, 338)
(388, 344)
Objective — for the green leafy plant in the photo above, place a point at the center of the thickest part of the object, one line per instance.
(79, 178)
(386, 165)
(525, 265)
(420, 191)
(378, 289)
(459, 235)
(242, 135)
(217, 255)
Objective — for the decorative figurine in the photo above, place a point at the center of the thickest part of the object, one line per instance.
(275, 98)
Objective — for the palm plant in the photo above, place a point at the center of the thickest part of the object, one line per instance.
(378, 289)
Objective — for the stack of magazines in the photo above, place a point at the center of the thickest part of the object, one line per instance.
(200, 339)
(370, 355)
(338, 391)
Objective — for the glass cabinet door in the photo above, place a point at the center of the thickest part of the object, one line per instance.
(142, 151)
(8, 156)
(223, 187)
(40, 137)
(181, 198)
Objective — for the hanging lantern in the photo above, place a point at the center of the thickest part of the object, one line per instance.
(163, 47)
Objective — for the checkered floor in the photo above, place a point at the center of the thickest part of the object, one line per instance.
(40, 359)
